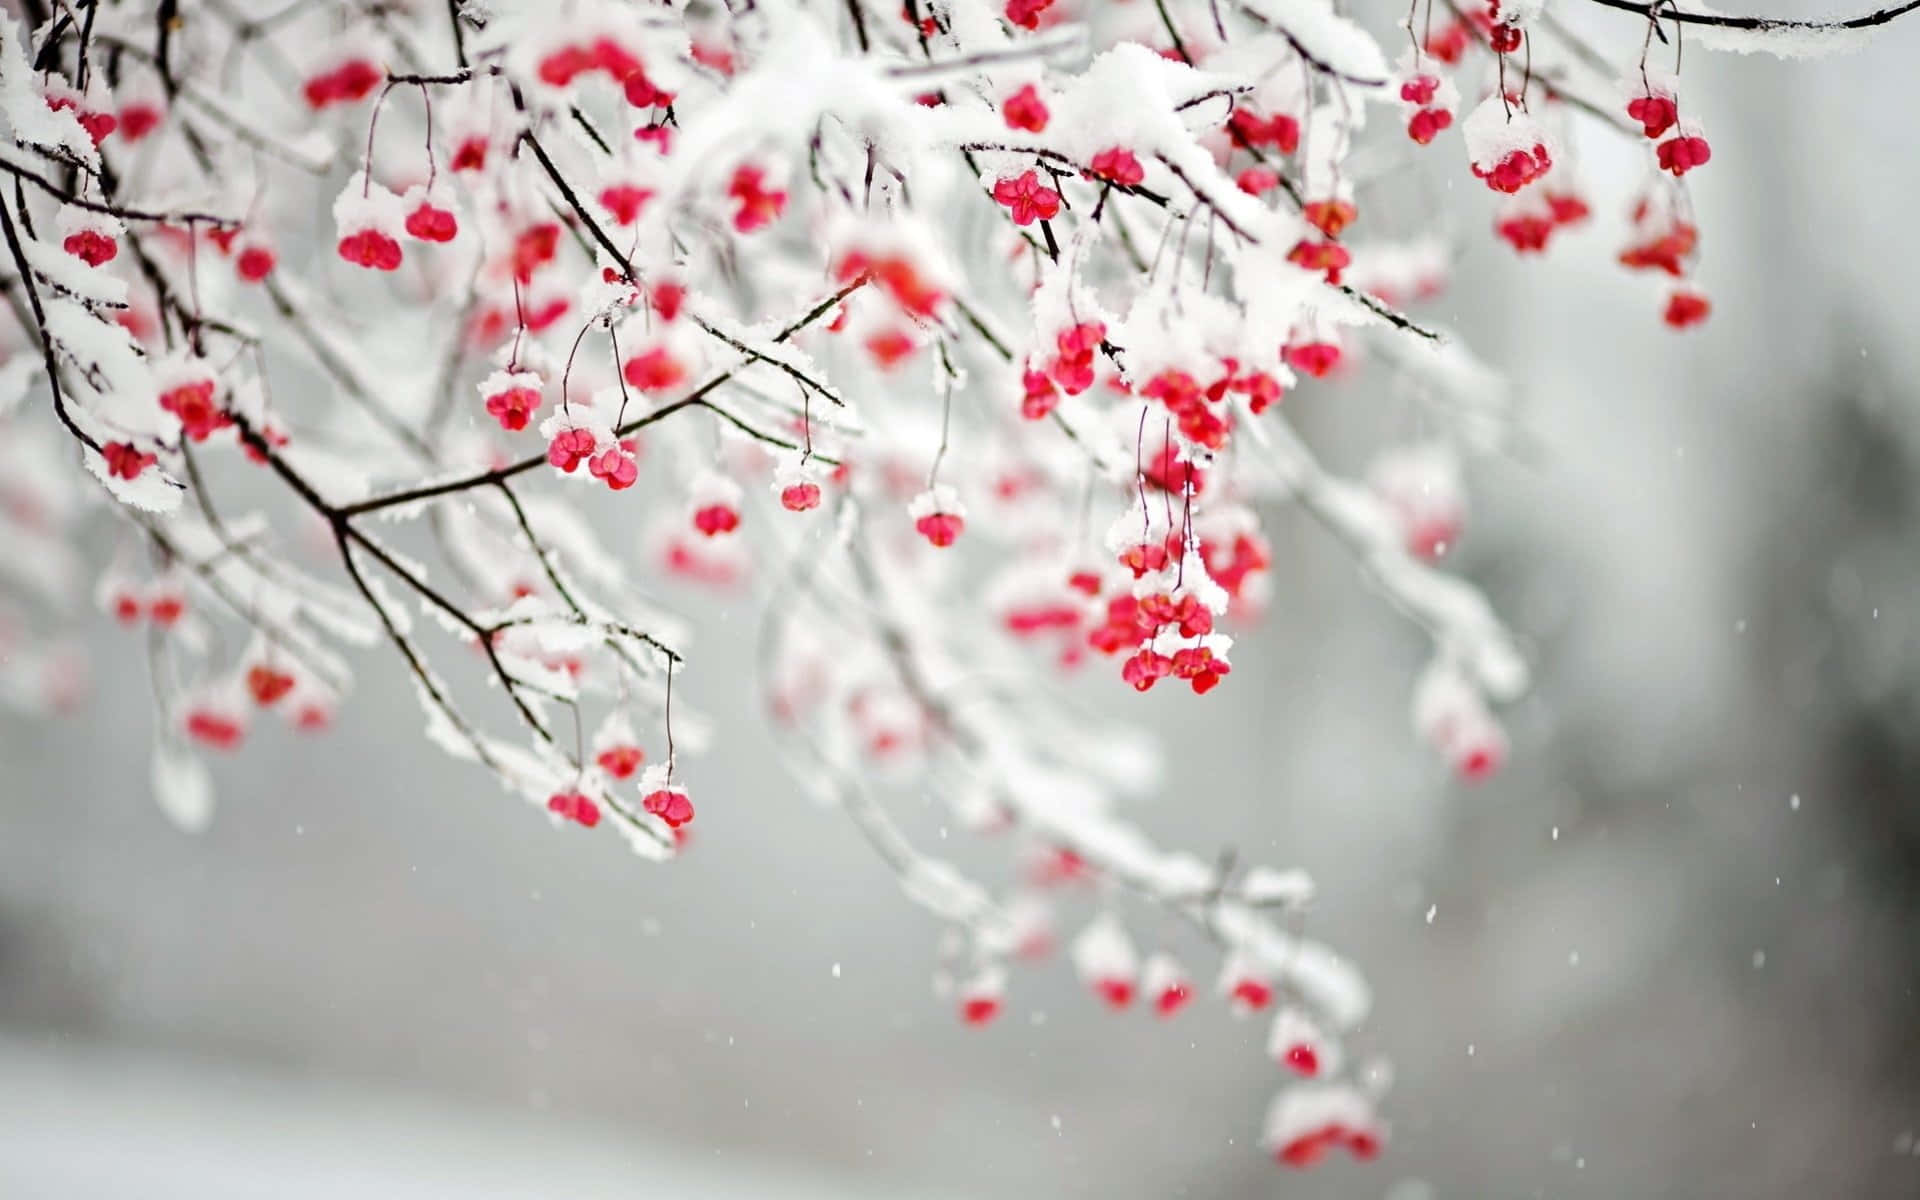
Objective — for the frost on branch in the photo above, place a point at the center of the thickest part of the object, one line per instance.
(475, 339)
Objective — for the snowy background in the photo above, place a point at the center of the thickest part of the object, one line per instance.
(1635, 965)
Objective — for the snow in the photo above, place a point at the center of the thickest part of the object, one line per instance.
(182, 786)
(113, 1123)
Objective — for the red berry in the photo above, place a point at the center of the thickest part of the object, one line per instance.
(757, 205)
(513, 406)
(471, 155)
(1027, 198)
(214, 729)
(267, 685)
(166, 610)
(124, 460)
(1420, 89)
(371, 248)
(979, 1010)
(574, 806)
(1025, 110)
(1330, 217)
(1117, 164)
(624, 201)
(1427, 124)
(430, 223)
(1682, 154)
(716, 519)
(254, 263)
(1313, 358)
(670, 805)
(654, 370)
(621, 761)
(137, 120)
(941, 529)
(614, 467)
(90, 247)
(1686, 308)
(569, 448)
(1656, 114)
(1251, 993)
(1026, 13)
(1040, 396)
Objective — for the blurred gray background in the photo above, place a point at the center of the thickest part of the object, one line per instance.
(1648, 972)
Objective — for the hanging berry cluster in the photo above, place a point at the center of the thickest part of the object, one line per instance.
(960, 337)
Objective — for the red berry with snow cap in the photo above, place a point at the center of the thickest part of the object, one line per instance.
(1104, 957)
(615, 467)
(670, 804)
(1656, 113)
(431, 223)
(938, 516)
(90, 247)
(371, 249)
(569, 448)
(512, 399)
(941, 529)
